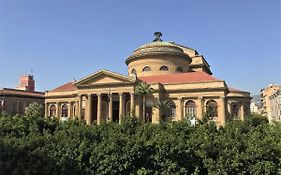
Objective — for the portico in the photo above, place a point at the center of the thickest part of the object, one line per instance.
(106, 107)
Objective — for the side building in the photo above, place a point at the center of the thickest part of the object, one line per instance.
(275, 102)
(15, 101)
(266, 101)
(175, 72)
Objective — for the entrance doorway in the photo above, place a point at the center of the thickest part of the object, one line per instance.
(148, 114)
(115, 111)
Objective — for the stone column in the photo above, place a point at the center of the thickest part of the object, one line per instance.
(75, 113)
(132, 104)
(222, 105)
(156, 115)
(138, 106)
(121, 106)
(99, 109)
(69, 110)
(79, 109)
(110, 107)
(58, 110)
(200, 106)
(46, 110)
(179, 109)
(229, 110)
(242, 113)
(89, 110)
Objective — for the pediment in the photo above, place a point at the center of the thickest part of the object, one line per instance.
(104, 77)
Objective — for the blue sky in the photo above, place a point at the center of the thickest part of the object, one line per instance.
(66, 39)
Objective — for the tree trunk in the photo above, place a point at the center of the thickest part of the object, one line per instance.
(143, 107)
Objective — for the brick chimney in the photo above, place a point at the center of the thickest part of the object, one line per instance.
(26, 83)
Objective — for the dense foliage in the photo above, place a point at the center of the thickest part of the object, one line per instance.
(33, 145)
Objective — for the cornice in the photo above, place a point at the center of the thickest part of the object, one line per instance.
(157, 53)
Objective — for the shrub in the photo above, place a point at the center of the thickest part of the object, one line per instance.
(30, 145)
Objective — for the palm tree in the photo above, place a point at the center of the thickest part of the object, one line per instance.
(164, 107)
(143, 89)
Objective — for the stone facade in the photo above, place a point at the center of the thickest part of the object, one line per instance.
(265, 100)
(14, 101)
(275, 105)
(175, 72)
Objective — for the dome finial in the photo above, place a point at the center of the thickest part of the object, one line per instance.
(157, 35)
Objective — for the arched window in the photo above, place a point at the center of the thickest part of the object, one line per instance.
(236, 111)
(64, 111)
(172, 110)
(52, 110)
(179, 69)
(190, 108)
(164, 68)
(212, 108)
(133, 71)
(146, 68)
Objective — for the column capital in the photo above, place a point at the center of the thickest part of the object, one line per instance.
(222, 97)
(200, 97)
(89, 95)
(180, 98)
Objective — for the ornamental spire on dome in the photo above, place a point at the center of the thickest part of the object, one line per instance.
(157, 35)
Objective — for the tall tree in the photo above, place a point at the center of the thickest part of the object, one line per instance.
(164, 106)
(143, 89)
(35, 110)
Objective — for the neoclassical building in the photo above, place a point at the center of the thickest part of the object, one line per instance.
(175, 72)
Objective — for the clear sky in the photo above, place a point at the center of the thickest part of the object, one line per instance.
(65, 39)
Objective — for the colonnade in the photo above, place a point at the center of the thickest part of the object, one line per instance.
(223, 106)
(88, 108)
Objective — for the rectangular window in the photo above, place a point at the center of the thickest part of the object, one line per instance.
(20, 108)
(14, 107)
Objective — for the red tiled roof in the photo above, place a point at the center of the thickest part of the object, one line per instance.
(233, 90)
(189, 77)
(16, 92)
(66, 87)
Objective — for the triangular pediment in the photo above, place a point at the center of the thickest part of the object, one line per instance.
(103, 77)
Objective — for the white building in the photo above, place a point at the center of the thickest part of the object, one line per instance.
(275, 101)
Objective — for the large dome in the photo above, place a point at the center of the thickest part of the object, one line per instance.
(158, 57)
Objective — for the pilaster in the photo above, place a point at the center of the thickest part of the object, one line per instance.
(79, 110)
(58, 110)
(242, 117)
(179, 109)
(200, 106)
(132, 104)
(46, 110)
(222, 117)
